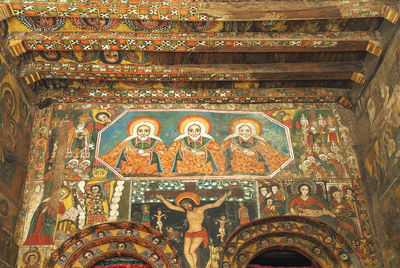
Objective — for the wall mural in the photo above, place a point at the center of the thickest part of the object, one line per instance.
(319, 242)
(15, 125)
(192, 176)
(382, 105)
(193, 143)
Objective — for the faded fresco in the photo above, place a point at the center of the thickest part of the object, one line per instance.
(381, 103)
(15, 131)
(194, 176)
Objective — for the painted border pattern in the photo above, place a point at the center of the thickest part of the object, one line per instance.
(316, 232)
(72, 251)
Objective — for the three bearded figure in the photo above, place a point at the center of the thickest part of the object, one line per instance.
(194, 151)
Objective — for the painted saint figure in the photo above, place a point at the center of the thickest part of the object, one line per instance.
(146, 215)
(78, 139)
(196, 234)
(44, 219)
(142, 152)
(247, 152)
(95, 205)
(306, 205)
(243, 214)
(194, 151)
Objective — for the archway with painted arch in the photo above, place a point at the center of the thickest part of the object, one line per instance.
(315, 240)
(115, 240)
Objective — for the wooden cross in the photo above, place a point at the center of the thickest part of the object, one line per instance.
(191, 187)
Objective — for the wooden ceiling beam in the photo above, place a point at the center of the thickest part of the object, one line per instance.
(249, 95)
(193, 42)
(204, 72)
(201, 11)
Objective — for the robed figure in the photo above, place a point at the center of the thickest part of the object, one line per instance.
(195, 151)
(142, 153)
(246, 152)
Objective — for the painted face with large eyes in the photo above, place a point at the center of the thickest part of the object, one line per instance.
(143, 132)
(304, 190)
(150, 24)
(44, 21)
(245, 132)
(32, 259)
(186, 205)
(194, 131)
(96, 22)
(111, 56)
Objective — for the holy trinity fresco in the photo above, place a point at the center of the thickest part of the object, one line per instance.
(192, 144)
(113, 144)
(194, 176)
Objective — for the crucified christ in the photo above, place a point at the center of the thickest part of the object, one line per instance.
(196, 234)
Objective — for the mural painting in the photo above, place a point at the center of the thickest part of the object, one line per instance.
(381, 102)
(190, 178)
(314, 239)
(196, 216)
(77, 204)
(193, 144)
(15, 125)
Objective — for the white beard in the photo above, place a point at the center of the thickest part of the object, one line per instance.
(195, 138)
(244, 138)
(142, 138)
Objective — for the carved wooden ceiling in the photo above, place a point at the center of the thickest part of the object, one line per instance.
(132, 51)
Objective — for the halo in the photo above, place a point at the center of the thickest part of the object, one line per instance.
(31, 252)
(190, 118)
(309, 183)
(96, 112)
(194, 197)
(7, 87)
(246, 120)
(3, 201)
(146, 119)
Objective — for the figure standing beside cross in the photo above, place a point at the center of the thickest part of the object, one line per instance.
(196, 234)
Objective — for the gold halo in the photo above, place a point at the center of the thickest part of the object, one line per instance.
(190, 118)
(189, 195)
(96, 112)
(7, 87)
(249, 120)
(151, 120)
(31, 252)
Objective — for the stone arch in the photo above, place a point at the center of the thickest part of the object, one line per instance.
(115, 239)
(316, 240)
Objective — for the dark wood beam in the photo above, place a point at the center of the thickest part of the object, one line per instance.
(205, 72)
(244, 96)
(193, 42)
(203, 11)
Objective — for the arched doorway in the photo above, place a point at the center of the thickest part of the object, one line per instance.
(121, 262)
(119, 241)
(313, 239)
(280, 257)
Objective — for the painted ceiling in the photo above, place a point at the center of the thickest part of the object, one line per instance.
(132, 51)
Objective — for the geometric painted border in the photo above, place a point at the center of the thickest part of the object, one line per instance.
(318, 241)
(100, 242)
